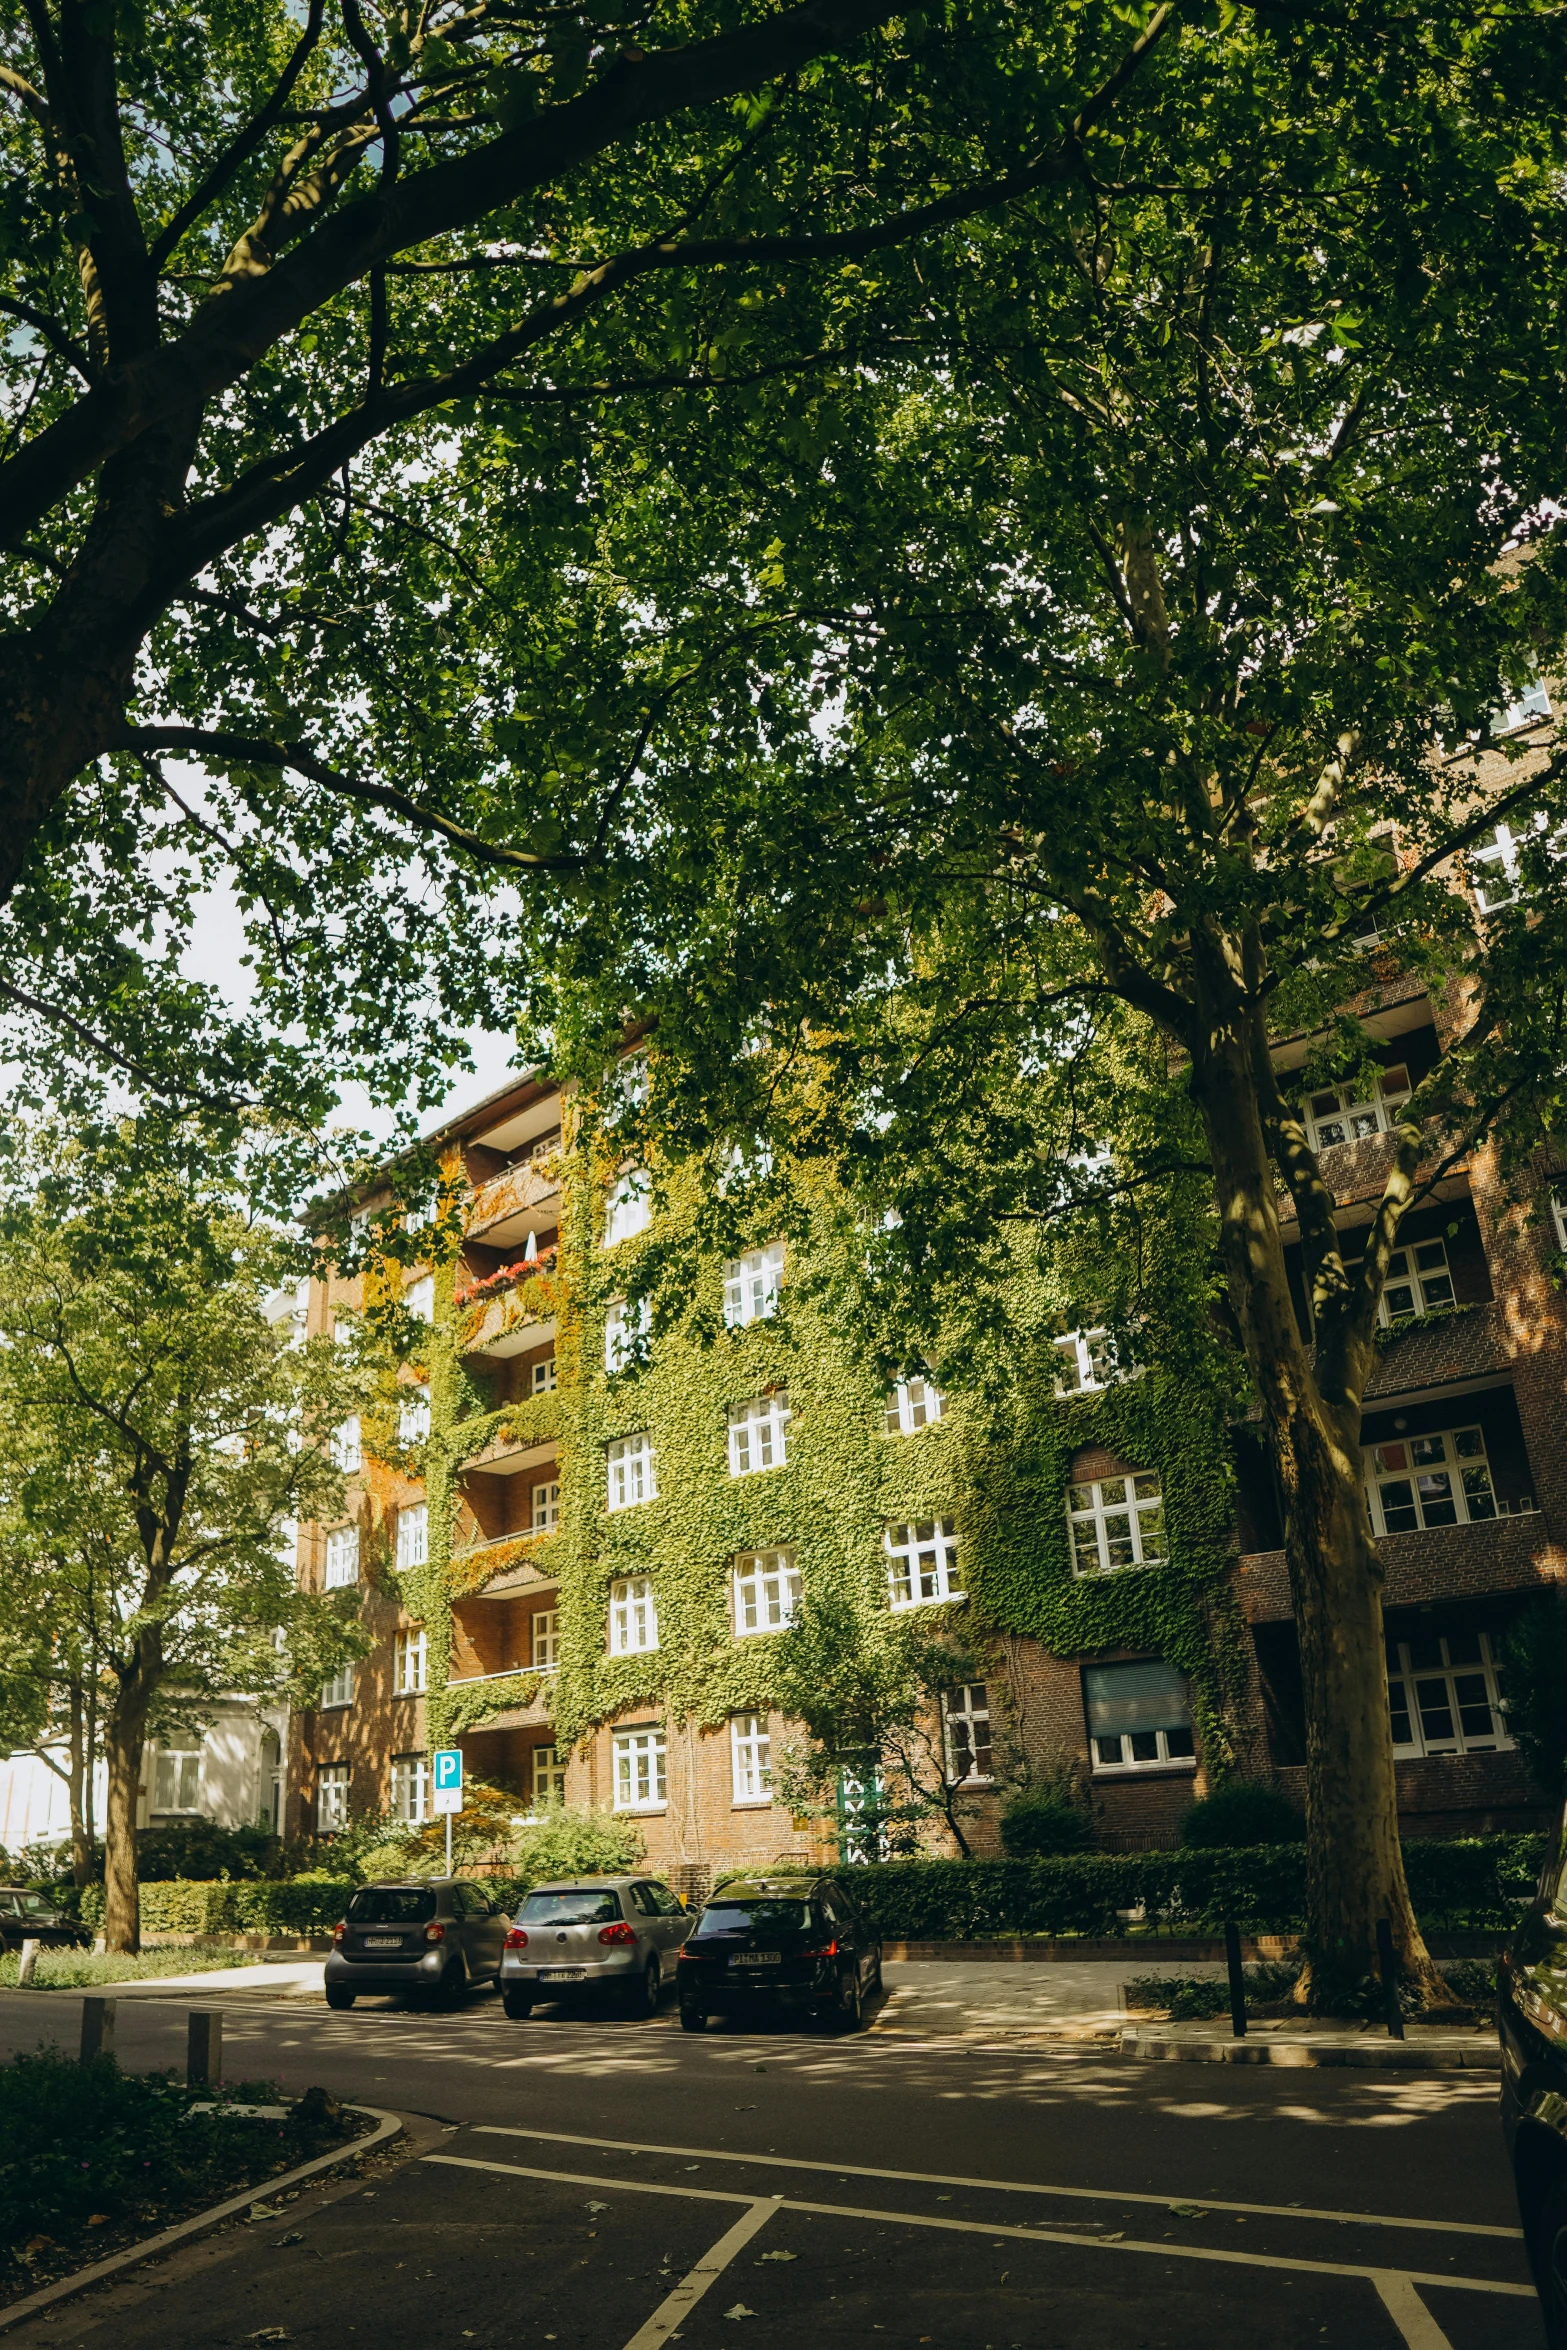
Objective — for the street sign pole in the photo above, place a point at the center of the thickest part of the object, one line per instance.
(446, 1789)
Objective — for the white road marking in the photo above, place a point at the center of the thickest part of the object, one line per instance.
(1410, 2314)
(932, 2178)
(1021, 2235)
(668, 2315)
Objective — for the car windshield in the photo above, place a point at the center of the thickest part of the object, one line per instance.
(584, 1906)
(757, 1916)
(391, 1905)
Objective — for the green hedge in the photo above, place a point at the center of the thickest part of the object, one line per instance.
(1475, 1885)
(187, 1905)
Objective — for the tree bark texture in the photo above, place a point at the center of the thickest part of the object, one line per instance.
(1355, 1869)
(124, 1746)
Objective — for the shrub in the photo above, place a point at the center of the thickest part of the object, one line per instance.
(183, 1907)
(1242, 1813)
(300, 1905)
(568, 1843)
(203, 1849)
(1037, 1825)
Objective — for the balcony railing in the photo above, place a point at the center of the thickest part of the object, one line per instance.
(507, 1673)
(515, 1191)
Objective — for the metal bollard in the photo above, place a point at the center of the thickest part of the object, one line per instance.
(203, 2050)
(29, 1961)
(97, 2029)
(1387, 1968)
(1232, 1956)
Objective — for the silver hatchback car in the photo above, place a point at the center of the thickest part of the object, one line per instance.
(615, 1934)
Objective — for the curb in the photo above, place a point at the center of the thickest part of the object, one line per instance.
(390, 2125)
(1473, 2054)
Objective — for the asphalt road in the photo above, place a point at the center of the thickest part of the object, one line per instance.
(604, 2185)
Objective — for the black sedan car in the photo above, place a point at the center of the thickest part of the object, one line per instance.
(768, 1946)
(28, 1916)
(1532, 2018)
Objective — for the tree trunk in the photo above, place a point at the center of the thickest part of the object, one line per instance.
(81, 1849)
(1354, 1862)
(121, 1914)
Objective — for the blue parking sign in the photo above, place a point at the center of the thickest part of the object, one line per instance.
(446, 1780)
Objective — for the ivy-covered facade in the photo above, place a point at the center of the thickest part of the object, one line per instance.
(578, 1544)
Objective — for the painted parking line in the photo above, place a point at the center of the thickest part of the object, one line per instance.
(1398, 2289)
(667, 2317)
(935, 2178)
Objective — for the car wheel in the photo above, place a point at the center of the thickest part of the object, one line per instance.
(337, 1996)
(692, 2019)
(449, 1990)
(1550, 2262)
(517, 2005)
(643, 1995)
(850, 2013)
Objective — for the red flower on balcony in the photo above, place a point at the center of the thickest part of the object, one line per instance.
(505, 1277)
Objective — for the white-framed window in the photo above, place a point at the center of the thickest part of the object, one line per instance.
(915, 1403)
(411, 1662)
(1139, 1717)
(756, 1433)
(743, 1163)
(1418, 1281)
(922, 1562)
(1348, 1113)
(176, 1782)
(543, 1379)
(549, 1777)
(630, 1208)
(544, 1640)
(347, 1450)
(633, 1471)
(1085, 1362)
(419, 1298)
(751, 1284)
(751, 1757)
(626, 1087)
(1116, 1522)
(1559, 1217)
(339, 1691)
(1440, 1479)
(1533, 704)
(413, 1414)
(640, 1780)
(342, 1557)
(410, 1788)
(331, 1797)
(546, 1506)
(633, 1617)
(625, 1334)
(966, 1715)
(1444, 1695)
(766, 1591)
(413, 1534)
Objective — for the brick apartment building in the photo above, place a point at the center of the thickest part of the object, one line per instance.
(573, 1556)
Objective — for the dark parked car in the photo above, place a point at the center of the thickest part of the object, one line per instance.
(614, 1934)
(26, 1916)
(429, 1937)
(780, 1945)
(1532, 2018)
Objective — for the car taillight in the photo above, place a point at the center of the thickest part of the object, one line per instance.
(621, 1933)
(516, 1939)
(340, 1929)
(827, 1950)
(435, 1933)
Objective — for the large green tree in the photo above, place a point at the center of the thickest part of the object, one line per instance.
(280, 286)
(1078, 717)
(158, 1439)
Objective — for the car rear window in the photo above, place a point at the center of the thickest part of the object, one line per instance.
(582, 1906)
(33, 1905)
(758, 1917)
(391, 1905)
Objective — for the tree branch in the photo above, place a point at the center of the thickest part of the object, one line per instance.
(156, 1083)
(218, 173)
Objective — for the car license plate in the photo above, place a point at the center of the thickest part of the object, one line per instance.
(562, 1974)
(757, 1958)
(383, 1942)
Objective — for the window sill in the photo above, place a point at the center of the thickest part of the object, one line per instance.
(752, 1803)
(1158, 1770)
(644, 1811)
(904, 1607)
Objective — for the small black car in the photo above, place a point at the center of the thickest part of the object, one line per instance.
(1532, 2019)
(780, 1945)
(27, 1916)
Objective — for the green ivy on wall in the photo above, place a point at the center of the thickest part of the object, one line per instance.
(1001, 1468)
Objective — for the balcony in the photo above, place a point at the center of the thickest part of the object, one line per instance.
(518, 1200)
(502, 1701)
(510, 1311)
(504, 1565)
(1512, 1552)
